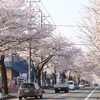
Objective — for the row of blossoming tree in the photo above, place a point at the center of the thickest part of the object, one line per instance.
(21, 30)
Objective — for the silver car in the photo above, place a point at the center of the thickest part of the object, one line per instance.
(29, 90)
(1, 98)
(81, 85)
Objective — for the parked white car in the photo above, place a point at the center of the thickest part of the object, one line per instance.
(71, 85)
(81, 85)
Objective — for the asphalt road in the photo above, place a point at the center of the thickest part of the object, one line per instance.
(87, 93)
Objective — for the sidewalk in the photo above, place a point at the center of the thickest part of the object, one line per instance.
(9, 97)
(10, 90)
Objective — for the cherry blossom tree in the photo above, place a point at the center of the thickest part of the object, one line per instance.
(48, 50)
(19, 26)
(64, 56)
(90, 34)
(90, 27)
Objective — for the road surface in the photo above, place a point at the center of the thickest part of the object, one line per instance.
(87, 93)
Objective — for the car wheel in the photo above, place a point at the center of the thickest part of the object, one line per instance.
(67, 90)
(20, 98)
(25, 97)
(56, 91)
(41, 96)
(36, 97)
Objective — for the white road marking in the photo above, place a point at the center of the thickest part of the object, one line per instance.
(90, 94)
(14, 99)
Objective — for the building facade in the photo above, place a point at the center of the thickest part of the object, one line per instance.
(17, 69)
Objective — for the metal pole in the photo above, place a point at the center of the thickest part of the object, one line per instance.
(29, 68)
(41, 21)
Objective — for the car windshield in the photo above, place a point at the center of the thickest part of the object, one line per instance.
(70, 82)
(27, 86)
(81, 83)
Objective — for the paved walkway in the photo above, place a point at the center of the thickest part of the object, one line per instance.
(13, 89)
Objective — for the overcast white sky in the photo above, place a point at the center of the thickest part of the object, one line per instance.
(65, 12)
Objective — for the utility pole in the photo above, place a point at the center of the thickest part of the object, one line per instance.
(30, 64)
(41, 57)
(29, 67)
(41, 23)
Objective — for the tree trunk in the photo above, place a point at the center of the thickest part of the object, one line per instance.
(54, 78)
(3, 76)
(38, 76)
(69, 76)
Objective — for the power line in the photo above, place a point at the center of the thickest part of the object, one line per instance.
(48, 14)
(81, 44)
(69, 26)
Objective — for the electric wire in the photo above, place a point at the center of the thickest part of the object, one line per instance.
(71, 26)
(49, 16)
